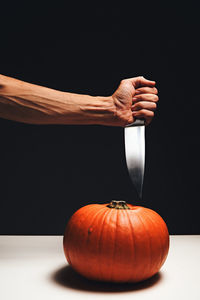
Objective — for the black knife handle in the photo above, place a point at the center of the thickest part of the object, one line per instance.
(137, 122)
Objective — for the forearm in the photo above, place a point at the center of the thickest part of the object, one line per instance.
(29, 103)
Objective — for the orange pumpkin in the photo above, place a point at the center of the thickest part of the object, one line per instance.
(116, 242)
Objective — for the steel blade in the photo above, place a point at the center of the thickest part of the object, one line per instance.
(135, 155)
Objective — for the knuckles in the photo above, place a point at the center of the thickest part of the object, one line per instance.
(125, 80)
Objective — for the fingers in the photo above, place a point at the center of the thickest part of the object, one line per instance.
(146, 90)
(144, 114)
(140, 81)
(144, 105)
(145, 97)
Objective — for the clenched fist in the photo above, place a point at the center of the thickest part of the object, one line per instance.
(135, 98)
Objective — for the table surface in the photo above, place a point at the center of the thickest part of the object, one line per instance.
(34, 267)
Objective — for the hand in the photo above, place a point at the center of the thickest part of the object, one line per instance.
(135, 98)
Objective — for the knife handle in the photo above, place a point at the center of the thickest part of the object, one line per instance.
(137, 122)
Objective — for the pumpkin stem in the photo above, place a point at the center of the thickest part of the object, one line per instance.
(118, 204)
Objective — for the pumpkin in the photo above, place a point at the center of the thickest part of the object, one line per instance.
(116, 242)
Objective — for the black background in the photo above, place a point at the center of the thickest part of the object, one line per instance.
(47, 172)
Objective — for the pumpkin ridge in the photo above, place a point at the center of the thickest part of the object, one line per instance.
(94, 219)
(70, 231)
(166, 229)
(133, 233)
(113, 256)
(146, 230)
(161, 246)
(100, 237)
(112, 211)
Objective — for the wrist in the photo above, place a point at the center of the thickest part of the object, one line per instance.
(99, 110)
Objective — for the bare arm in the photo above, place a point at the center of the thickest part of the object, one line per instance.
(29, 103)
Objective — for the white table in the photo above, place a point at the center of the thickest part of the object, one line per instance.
(34, 267)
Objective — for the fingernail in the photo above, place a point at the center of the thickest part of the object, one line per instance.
(134, 98)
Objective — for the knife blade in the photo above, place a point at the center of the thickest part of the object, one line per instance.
(134, 135)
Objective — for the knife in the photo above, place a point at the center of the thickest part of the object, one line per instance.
(134, 135)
